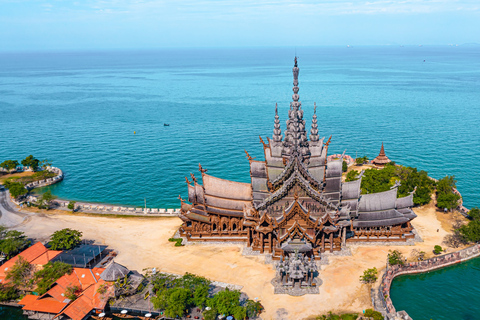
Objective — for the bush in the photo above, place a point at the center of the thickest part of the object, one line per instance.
(446, 198)
(16, 189)
(71, 292)
(373, 314)
(352, 176)
(65, 239)
(8, 292)
(361, 160)
(178, 241)
(437, 249)
(369, 275)
(344, 166)
(71, 205)
(395, 257)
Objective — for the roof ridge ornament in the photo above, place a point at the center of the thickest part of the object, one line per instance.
(201, 169)
(248, 156)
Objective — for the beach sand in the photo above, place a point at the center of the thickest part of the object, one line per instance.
(143, 243)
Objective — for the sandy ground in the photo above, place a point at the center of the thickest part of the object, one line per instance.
(143, 243)
(15, 175)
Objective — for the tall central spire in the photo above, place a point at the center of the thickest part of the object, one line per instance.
(295, 135)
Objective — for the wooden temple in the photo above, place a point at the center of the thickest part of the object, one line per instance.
(296, 200)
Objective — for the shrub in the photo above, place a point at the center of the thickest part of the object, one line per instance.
(373, 314)
(344, 166)
(71, 205)
(16, 189)
(395, 257)
(71, 292)
(369, 275)
(178, 241)
(437, 249)
(65, 239)
(352, 176)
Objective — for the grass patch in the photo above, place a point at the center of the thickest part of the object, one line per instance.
(333, 316)
(178, 241)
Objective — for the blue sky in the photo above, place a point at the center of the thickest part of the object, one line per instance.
(105, 24)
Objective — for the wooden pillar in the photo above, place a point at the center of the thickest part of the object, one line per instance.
(323, 242)
(344, 237)
(270, 242)
(261, 242)
(331, 241)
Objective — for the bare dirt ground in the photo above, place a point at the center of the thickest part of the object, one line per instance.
(143, 243)
(15, 175)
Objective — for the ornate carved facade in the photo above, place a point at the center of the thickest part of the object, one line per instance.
(295, 201)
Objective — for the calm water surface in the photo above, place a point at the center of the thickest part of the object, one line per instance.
(80, 109)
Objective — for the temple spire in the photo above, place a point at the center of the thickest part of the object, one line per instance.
(295, 135)
(381, 159)
(314, 131)
(277, 131)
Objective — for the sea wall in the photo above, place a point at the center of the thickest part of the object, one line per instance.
(47, 182)
(420, 267)
(112, 209)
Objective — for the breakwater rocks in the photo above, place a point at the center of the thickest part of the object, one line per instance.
(47, 182)
(419, 267)
(111, 209)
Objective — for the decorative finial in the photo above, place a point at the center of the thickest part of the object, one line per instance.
(328, 142)
(295, 61)
(180, 198)
(314, 108)
(264, 144)
(186, 179)
(276, 109)
(295, 196)
(201, 169)
(193, 177)
(248, 156)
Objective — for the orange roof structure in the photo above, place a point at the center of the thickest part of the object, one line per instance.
(37, 254)
(45, 305)
(381, 159)
(54, 301)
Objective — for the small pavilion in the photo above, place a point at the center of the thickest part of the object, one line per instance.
(381, 159)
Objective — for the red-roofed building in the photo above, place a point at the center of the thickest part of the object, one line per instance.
(87, 280)
(37, 255)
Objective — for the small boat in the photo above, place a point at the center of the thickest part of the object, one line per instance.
(166, 125)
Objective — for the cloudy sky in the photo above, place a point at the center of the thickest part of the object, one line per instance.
(137, 24)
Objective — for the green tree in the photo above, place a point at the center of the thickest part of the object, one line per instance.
(395, 257)
(20, 274)
(352, 176)
(344, 166)
(447, 201)
(46, 199)
(71, 205)
(31, 162)
(369, 276)
(370, 313)
(51, 272)
(225, 301)
(9, 164)
(200, 295)
(253, 308)
(8, 292)
(65, 239)
(471, 232)
(71, 292)
(45, 163)
(361, 160)
(437, 249)
(177, 302)
(12, 242)
(16, 189)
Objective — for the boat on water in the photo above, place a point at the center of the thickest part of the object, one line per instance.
(166, 125)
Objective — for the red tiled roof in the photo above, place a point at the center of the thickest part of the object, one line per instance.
(37, 254)
(46, 305)
(29, 298)
(45, 257)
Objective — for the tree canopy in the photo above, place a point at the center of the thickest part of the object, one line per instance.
(12, 241)
(16, 189)
(395, 257)
(9, 164)
(20, 273)
(379, 180)
(470, 232)
(446, 198)
(31, 162)
(65, 239)
(51, 272)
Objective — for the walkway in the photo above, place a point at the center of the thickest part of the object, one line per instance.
(9, 216)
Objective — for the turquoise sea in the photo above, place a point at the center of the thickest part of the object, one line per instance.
(80, 110)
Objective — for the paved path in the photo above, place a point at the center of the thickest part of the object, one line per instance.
(9, 215)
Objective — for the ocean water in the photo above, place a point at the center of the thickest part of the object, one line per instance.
(445, 294)
(80, 110)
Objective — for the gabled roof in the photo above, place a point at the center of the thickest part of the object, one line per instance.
(45, 305)
(378, 201)
(37, 254)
